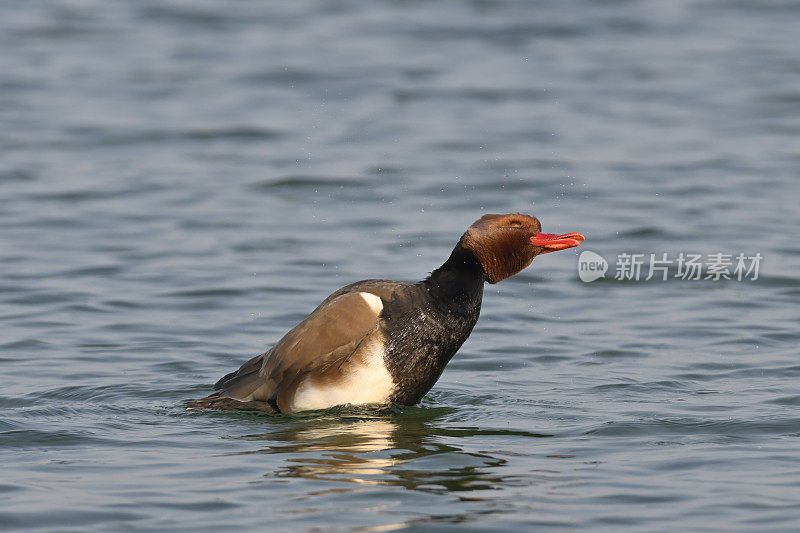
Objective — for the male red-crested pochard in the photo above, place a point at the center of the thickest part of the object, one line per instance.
(379, 341)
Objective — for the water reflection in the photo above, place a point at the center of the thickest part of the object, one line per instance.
(409, 450)
(344, 452)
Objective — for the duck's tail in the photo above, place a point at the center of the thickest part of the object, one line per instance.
(221, 403)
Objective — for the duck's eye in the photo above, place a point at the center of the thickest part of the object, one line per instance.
(515, 224)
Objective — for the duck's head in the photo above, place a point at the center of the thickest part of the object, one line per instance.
(506, 244)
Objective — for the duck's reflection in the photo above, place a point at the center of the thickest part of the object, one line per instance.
(395, 449)
(345, 452)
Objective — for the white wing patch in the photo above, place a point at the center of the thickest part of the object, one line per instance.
(362, 384)
(374, 302)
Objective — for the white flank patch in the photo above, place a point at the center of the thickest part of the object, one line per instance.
(364, 384)
(374, 302)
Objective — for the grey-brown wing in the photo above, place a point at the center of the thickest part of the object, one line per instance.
(328, 336)
(252, 366)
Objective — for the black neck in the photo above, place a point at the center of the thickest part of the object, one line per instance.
(458, 283)
(439, 315)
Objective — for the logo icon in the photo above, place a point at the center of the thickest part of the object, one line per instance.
(591, 266)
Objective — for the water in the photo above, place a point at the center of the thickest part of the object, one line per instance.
(181, 182)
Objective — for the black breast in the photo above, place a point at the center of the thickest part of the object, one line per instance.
(424, 329)
(425, 323)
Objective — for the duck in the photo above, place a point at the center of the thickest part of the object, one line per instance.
(382, 342)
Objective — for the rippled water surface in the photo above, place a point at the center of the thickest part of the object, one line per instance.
(182, 181)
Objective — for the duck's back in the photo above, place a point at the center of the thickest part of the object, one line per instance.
(333, 357)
